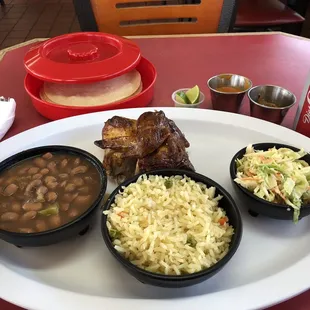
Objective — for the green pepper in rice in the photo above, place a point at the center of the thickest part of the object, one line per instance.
(114, 234)
(168, 183)
(191, 241)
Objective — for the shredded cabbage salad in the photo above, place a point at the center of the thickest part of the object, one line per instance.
(276, 175)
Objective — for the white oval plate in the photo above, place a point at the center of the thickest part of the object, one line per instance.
(271, 264)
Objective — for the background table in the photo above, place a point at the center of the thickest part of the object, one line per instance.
(269, 58)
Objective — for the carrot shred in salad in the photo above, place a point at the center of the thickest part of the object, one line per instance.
(276, 175)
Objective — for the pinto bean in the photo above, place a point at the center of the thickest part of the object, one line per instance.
(51, 196)
(10, 190)
(32, 206)
(26, 230)
(44, 171)
(32, 186)
(9, 216)
(79, 170)
(73, 212)
(41, 225)
(55, 220)
(64, 163)
(63, 176)
(52, 166)
(82, 200)
(52, 185)
(33, 170)
(70, 188)
(77, 181)
(63, 184)
(28, 216)
(77, 162)
(70, 197)
(23, 170)
(49, 179)
(41, 191)
(47, 156)
(16, 207)
(37, 176)
(39, 162)
(83, 190)
(64, 206)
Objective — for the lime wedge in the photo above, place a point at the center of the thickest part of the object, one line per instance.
(193, 94)
(181, 97)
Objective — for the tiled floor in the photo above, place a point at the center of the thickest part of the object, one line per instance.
(22, 20)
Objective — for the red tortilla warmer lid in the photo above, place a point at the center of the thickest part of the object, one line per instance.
(82, 57)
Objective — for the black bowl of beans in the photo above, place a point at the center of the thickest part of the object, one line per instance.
(49, 194)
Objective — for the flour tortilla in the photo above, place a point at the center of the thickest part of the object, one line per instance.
(93, 94)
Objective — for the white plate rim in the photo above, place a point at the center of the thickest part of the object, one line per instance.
(266, 292)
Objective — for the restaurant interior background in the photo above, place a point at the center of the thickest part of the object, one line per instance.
(22, 20)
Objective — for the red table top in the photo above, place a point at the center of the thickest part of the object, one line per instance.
(276, 59)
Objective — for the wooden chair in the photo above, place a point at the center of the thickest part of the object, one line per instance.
(264, 14)
(136, 17)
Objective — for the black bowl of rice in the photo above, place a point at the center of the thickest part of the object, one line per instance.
(171, 228)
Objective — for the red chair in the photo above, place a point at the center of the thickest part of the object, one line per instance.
(265, 14)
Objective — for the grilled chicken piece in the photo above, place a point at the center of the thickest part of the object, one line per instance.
(99, 143)
(118, 167)
(152, 142)
(185, 163)
(171, 154)
(119, 133)
(175, 129)
(152, 129)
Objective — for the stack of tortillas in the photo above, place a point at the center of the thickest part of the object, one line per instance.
(93, 94)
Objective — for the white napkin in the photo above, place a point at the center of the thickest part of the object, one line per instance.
(7, 115)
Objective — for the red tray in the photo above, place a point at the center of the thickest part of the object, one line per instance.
(54, 111)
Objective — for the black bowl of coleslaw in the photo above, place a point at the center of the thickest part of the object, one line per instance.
(259, 206)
